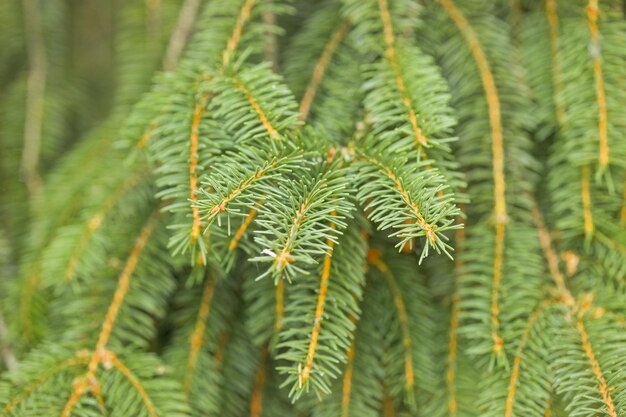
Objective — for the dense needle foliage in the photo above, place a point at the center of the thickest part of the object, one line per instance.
(324, 208)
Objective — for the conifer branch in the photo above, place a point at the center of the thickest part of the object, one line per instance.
(555, 55)
(256, 403)
(321, 67)
(198, 336)
(243, 17)
(141, 390)
(552, 259)
(389, 408)
(101, 354)
(271, 131)
(596, 56)
(228, 145)
(319, 309)
(80, 359)
(622, 218)
(557, 82)
(374, 258)
(497, 149)
(122, 289)
(585, 194)
(517, 361)
(347, 382)
(451, 368)
(390, 52)
(193, 165)
(605, 391)
(280, 305)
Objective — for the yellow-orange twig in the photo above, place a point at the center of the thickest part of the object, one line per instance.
(605, 390)
(122, 289)
(197, 337)
(193, 165)
(234, 242)
(623, 212)
(555, 54)
(552, 259)
(454, 329)
(256, 404)
(280, 305)
(320, 69)
(592, 22)
(319, 310)
(271, 131)
(101, 354)
(374, 258)
(390, 52)
(243, 17)
(585, 193)
(517, 362)
(389, 409)
(497, 149)
(347, 382)
(123, 369)
(553, 22)
(548, 411)
(284, 257)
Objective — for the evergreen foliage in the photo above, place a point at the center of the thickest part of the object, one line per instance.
(325, 208)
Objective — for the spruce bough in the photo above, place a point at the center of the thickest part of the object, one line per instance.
(339, 208)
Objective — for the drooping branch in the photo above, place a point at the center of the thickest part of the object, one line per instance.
(497, 149)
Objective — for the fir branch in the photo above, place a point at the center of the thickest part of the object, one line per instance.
(374, 258)
(347, 382)
(497, 149)
(79, 360)
(555, 55)
(198, 336)
(256, 403)
(592, 22)
(122, 288)
(597, 371)
(199, 110)
(320, 69)
(552, 259)
(453, 337)
(232, 43)
(585, 196)
(319, 310)
(517, 361)
(408, 209)
(390, 52)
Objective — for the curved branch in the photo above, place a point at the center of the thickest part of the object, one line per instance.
(197, 337)
(605, 391)
(319, 310)
(497, 149)
(320, 69)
